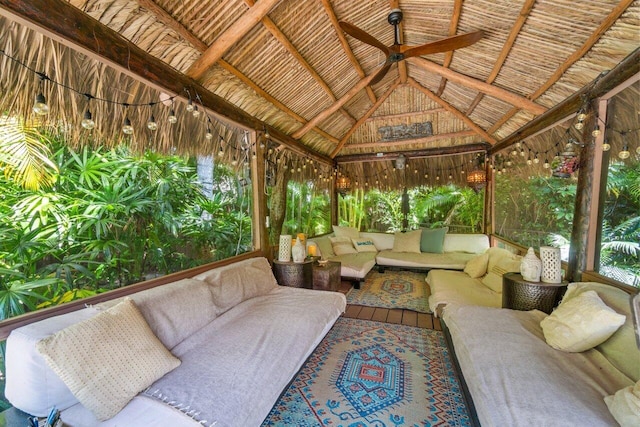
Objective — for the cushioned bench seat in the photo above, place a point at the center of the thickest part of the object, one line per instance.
(447, 260)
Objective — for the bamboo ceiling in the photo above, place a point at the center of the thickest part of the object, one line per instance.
(288, 64)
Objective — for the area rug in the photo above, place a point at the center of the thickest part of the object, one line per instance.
(367, 373)
(392, 289)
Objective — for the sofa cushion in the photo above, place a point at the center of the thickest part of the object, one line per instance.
(477, 266)
(470, 243)
(325, 246)
(620, 348)
(364, 245)
(356, 265)
(240, 281)
(456, 287)
(624, 405)
(408, 241)
(432, 239)
(450, 261)
(176, 310)
(350, 232)
(493, 279)
(342, 245)
(580, 323)
(108, 359)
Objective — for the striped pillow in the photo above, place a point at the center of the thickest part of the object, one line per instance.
(364, 245)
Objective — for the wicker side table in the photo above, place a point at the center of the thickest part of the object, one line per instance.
(326, 277)
(294, 274)
(519, 294)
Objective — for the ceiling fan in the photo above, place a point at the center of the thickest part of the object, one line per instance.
(398, 52)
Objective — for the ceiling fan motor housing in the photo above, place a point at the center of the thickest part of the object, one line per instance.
(395, 17)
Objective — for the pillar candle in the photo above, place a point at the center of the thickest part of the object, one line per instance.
(312, 250)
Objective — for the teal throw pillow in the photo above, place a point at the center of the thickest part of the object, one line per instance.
(432, 239)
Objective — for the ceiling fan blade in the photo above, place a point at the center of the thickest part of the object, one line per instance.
(381, 73)
(444, 45)
(363, 36)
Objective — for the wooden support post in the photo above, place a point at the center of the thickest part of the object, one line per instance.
(260, 231)
(585, 202)
(489, 192)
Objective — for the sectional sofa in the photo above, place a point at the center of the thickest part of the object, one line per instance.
(359, 252)
(214, 349)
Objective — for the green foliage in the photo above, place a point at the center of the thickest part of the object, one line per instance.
(308, 210)
(113, 218)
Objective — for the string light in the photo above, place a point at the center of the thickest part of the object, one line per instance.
(126, 127)
(624, 154)
(195, 112)
(208, 135)
(87, 121)
(172, 117)
(190, 106)
(40, 106)
(606, 146)
(151, 124)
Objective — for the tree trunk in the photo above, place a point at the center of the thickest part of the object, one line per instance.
(278, 205)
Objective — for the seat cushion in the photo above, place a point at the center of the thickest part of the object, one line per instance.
(457, 287)
(356, 265)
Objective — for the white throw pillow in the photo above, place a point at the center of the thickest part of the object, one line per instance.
(625, 406)
(493, 279)
(407, 241)
(108, 359)
(350, 232)
(364, 245)
(580, 323)
(342, 245)
(477, 266)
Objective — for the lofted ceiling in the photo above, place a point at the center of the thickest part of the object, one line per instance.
(289, 64)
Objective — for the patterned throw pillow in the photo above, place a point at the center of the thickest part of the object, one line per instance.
(364, 245)
(108, 359)
(342, 245)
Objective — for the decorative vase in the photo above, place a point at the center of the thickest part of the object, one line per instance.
(531, 266)
(284, 251)
(298, 251)
(551, 265)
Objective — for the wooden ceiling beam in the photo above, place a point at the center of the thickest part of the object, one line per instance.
(364, 118)
(575, 56)
(479, 85)
(345, 46)
(453, 29)
(450, 108)
(415, 154)
(66, 24)
(166, 18)
(608, 81)
(334, 107)
(405, 115)
(414, 141)
(286, 43)
(226, 40)
(506, 49)
(261, 92)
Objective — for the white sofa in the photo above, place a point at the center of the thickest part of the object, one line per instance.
(239, 336)
(484, 289)
(515, 379)
(457, 250)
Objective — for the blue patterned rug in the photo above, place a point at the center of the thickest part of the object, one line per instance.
(367, 373)
(393, 289)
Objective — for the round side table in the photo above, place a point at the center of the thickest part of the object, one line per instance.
(294, 274)
(519, 294)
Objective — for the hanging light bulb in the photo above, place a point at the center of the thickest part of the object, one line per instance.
(624, 154)
(234, 161)
(266, 133)
(253, 155)
(529, 161)
(195, 112)
(40, 106)
(172, 117)
(126, 127)
(87, 122)
(190, 105)
(152, 125)
(581, 116)
(596, 131)
(521, 153)
(545, 164)
(606, 146)
(536, 160)
(638, 149)
(208, 135)
(578, 125)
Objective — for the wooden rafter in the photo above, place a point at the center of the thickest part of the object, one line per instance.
(425, 140)
(575, 56)
(479, 85)
(334, 107)
(345, 45)
(404, 115)
(286, 43)
(450, 108)
(364, 118)
(226, 40)
(164, 17)
(402, 66)
(508, 45)
(60, 21)
(417, 154)
(453, 29)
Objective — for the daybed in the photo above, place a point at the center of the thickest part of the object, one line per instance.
(480, 283)
(515, 378)
(359, 252)
(235, 338)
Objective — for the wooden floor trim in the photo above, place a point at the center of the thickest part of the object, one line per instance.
(394, 315)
